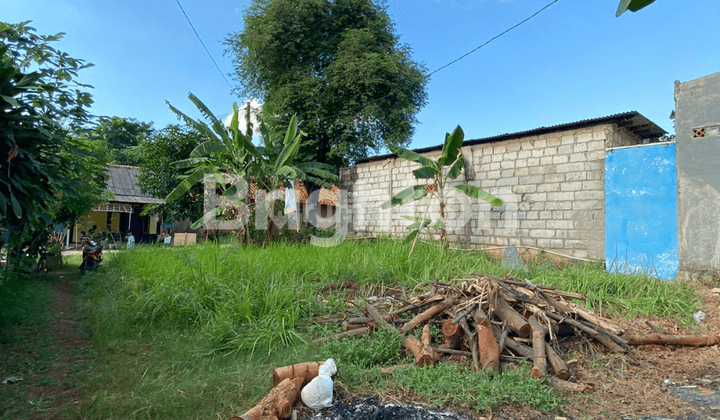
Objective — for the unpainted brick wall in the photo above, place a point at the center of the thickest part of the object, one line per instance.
(552, 187)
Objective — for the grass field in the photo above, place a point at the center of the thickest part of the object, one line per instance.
(194, 332)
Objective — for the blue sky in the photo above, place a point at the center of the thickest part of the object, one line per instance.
(573, 61)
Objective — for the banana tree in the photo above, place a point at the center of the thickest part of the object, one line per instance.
(274, 165)
(225, 156)
(441, 171)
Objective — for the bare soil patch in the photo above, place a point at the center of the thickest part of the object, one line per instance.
(48, 358)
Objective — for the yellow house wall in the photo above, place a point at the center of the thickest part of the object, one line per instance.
(115, 222)
(97, 218)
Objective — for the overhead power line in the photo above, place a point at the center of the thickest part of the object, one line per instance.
(494, 38)
(464, 55)
(459, 58)
(203, 44)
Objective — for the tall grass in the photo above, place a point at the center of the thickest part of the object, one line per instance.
(260, 298)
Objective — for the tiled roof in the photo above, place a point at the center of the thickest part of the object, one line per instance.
(122, 182)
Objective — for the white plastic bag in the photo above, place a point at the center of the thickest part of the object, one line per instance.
(318, 393)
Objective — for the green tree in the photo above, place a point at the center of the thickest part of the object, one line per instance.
(225, 151)
(158, 174)
(45, 168)
(122, 136)
(229, 151)
(336, 64)
(440, 172)
(275, 164)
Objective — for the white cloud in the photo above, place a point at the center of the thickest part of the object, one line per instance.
(255, 108)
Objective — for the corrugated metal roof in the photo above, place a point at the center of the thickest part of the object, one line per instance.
(122, 182)
(632, 121)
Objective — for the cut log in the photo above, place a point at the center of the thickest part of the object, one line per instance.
(278, 403)
(488, 348)
(558, 383)
(424, 355)
(678, 340)
(452, 334)
(425, 316)
(515, 321)
(558, 364)
(307, 371)
(539, 368)
(339, 336)
(426, 337)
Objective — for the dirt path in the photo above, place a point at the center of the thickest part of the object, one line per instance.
(49, 358)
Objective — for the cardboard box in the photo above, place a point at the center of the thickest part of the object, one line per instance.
(184, 239)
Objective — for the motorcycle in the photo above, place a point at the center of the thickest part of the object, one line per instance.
(92, 255)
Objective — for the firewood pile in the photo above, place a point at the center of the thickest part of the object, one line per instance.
(496, 320)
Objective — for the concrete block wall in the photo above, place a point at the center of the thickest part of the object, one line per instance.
(552, 187)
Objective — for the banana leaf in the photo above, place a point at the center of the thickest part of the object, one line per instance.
(451, 148)
(405, 196)
(479, 193)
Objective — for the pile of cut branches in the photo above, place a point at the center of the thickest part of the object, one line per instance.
(495, 320)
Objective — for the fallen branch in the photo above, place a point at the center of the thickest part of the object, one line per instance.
(339, 336)
(424, 316)
(375, 315)
(597, 335)
(558, 364)
(558, 383)
(679, 340)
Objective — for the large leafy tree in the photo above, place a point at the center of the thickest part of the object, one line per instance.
(158, 174)
(44, 167)
(336, 64)
(123, 137)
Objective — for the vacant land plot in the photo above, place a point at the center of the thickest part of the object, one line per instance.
(195, 332)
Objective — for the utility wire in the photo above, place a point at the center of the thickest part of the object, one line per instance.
(493, 38)
(203, 44)
(459, 58)
(462, 56)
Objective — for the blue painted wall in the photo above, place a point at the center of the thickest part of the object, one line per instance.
(641, 214)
